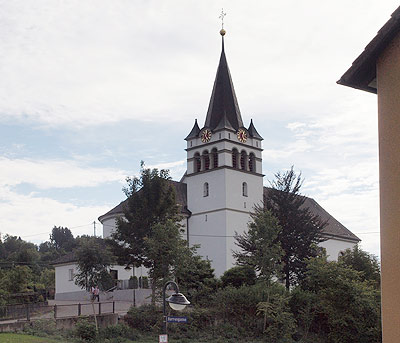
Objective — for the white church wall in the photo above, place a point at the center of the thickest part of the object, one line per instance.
(208, 230)
(334, 246)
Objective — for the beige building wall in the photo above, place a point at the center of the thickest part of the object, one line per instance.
(388, 81)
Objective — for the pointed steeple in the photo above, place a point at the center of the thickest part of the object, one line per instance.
(195, 131)
(223, 100)
(253, 132)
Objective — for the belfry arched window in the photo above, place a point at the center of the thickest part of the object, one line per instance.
(214, 154)
(243, 160)
(206, 160)
(244, 189)
(252, 163)
(206, 189)
(234, 158)
(197, 162)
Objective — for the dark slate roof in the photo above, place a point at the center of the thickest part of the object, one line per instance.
(362, 73)
(253, 132)
(195, 131)
(223, 100)
(181, 199)
(333, 227)
(68, 258)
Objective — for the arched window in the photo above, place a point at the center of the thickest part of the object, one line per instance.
(243, 160)
(197, 162)
(234, 158)
(252, 164)
(205, 189)
(206, 160)
(214, 154)
(244, 189)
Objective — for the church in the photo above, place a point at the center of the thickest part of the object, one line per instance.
(222, 184)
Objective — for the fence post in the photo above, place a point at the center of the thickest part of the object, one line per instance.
(55, 311)
(99, 308)
(28, 315)
(79, 309)
(113, 306)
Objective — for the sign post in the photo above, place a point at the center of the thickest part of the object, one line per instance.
(163, 338)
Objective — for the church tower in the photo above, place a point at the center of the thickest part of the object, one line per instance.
(224, 173)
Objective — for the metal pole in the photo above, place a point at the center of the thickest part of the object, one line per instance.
(79, 309)
(164, 303)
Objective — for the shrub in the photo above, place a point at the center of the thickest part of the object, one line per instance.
(41, 328)
(120, 330)
(144, 318)
(239, 276)
(85, 330)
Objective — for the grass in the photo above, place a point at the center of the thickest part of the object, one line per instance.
(20, 338)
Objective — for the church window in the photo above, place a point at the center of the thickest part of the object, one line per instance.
(206, 160)
(70, 274)
(244, 189)
(256, 143)
(234, 158)
(220, 135)
(215, 157)
(229, 135)
(205, 189)
(206, 217)
(197, 162)
(244, 205)
(252, 162)
(191, 144)
(243, 160)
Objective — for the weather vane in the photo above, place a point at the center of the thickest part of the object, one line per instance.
(221, 16)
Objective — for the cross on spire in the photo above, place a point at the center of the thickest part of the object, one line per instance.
(222, 16)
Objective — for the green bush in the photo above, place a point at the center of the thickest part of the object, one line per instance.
(85, 330)
(145, 318)
(239, 276)
(120, 330)
(43, 327)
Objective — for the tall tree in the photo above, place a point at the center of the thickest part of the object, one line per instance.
(151, 200)
(259, 246)
(301, 229)
(93, 259)
(62, 238)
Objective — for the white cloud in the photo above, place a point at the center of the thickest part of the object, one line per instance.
(45, 174)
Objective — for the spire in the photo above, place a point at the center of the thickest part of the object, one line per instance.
(223, 100)
(195, 131)
(253, 132)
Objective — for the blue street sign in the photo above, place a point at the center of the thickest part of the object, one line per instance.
(171, 319)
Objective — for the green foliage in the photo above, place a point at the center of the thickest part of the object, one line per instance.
(145, 318)
(85, 330)
(118, 333)
(279, 324)
(93, 259)
(259, 246)
(239, 276)
(48, 278)
(151, 201)
(363, 262)
(43, 328)
(341, 306)
(301, 229)
(16, 280)
(62, 238)
(15, 249)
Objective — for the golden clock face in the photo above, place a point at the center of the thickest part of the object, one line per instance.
(205, 135)
(242, 135)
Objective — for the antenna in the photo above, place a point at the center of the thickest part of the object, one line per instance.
(94, 228)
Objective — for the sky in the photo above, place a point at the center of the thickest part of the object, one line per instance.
(89, 88)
